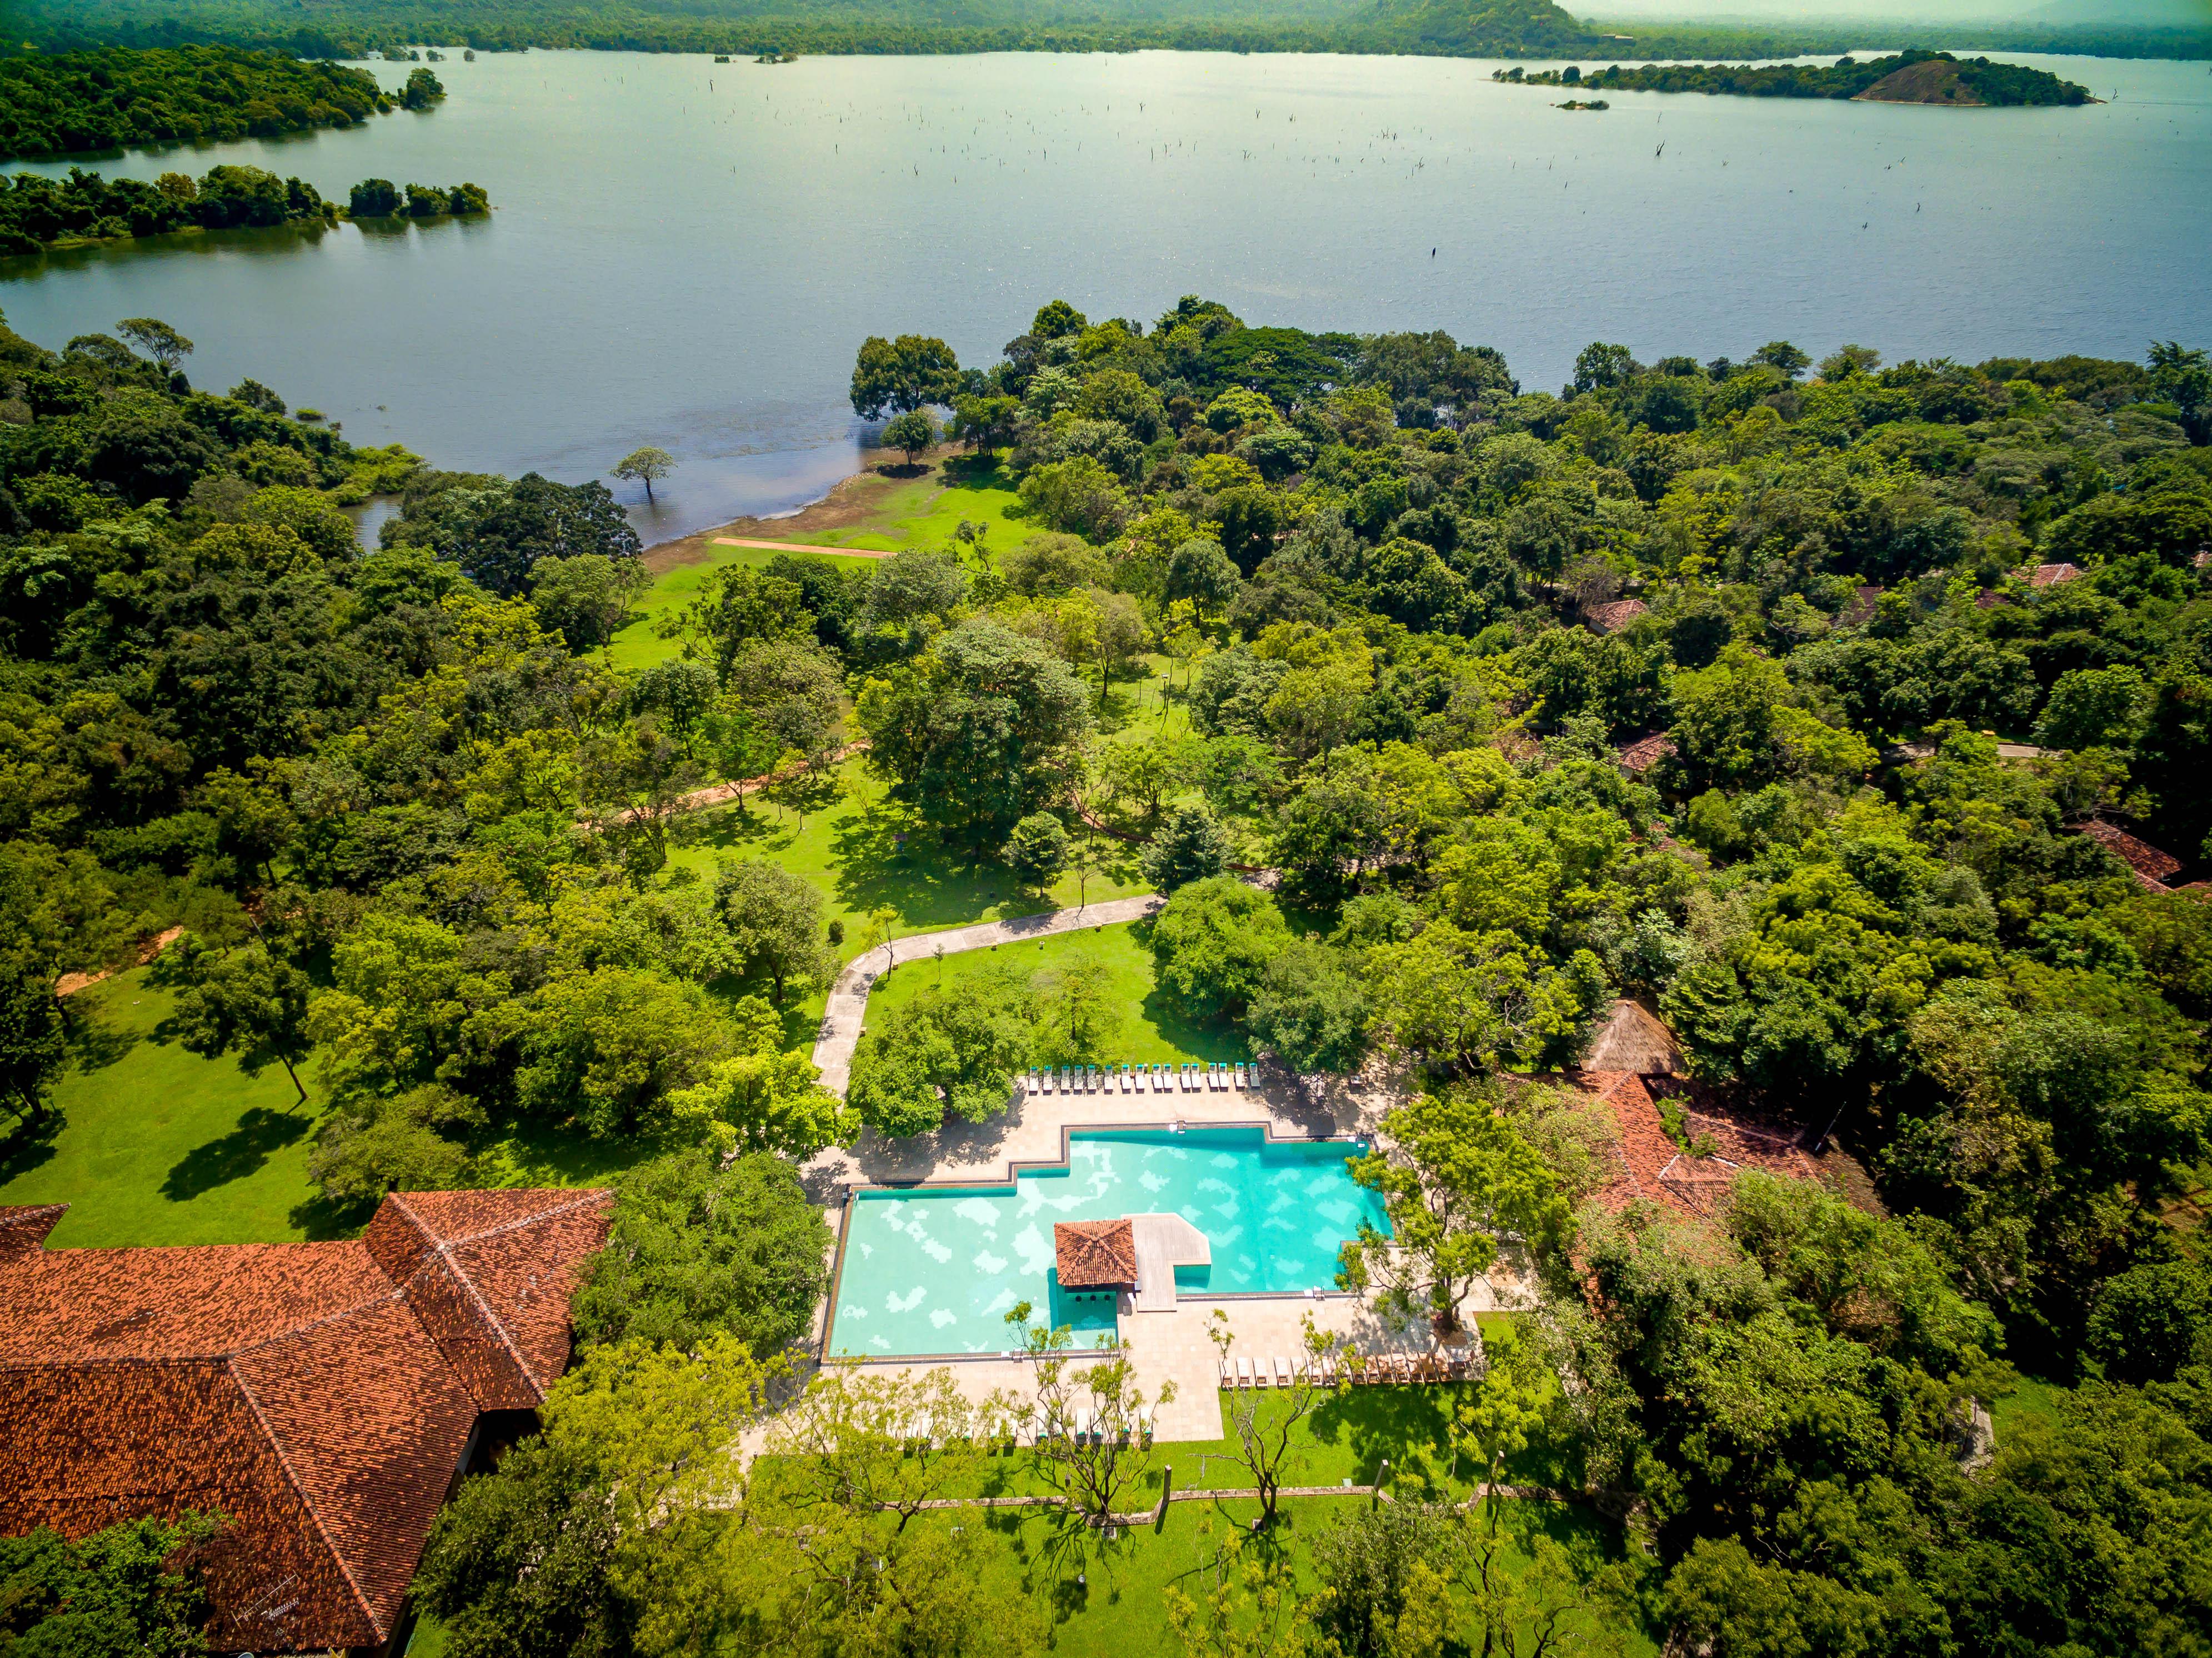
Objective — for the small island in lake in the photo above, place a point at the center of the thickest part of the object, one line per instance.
(1909, 77)
(1576, 103)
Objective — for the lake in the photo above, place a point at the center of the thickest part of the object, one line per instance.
(687, 253)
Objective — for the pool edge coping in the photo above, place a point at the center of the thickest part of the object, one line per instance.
(1016, 1168)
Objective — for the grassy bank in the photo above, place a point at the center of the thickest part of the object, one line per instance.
(1153, 1030)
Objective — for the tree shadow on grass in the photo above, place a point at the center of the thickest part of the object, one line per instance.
(930, 884)
(27, 1142)
(260, 1133)
(323, 1219)
(95, 1044)
(1409, 1426)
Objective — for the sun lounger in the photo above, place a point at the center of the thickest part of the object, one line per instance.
(1243, 1078)
(1228, 1377)
(1282, 1372)
(1244, 1373)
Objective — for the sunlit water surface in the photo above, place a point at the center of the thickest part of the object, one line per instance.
(687, 253)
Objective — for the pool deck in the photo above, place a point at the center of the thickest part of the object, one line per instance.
(1173, 1344)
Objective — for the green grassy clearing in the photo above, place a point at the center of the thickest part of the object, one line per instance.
(157, 1145)
(637, 646)
(924, 511)
(154, 1145)
(2030, 1401)
(1153, 1031)
(1111, 1602)
(863, 853)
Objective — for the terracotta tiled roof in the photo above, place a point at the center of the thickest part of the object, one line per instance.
(1862, 608)
(2049, 575)
(2152, 867)
(320, 1394)
(1643, 753)
(24, 1230)
(1612, 618)
(1653, 1168)
(1094, 1255)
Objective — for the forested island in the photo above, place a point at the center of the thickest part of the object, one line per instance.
(38, 213)
(746, 28)
(106, 98)
(1911, 77)
(1853, 717)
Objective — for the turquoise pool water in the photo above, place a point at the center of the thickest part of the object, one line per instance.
(935, 1272)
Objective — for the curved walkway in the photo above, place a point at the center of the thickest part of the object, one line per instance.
(847, 1008)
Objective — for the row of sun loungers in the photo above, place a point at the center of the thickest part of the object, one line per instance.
(1139, 1079)
(1086, 1427)
(1360, 1369)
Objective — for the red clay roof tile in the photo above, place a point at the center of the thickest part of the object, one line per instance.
(320, 1394)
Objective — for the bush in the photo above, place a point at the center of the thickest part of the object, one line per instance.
(1192, 846)
(1214, 942)
(695, 1250)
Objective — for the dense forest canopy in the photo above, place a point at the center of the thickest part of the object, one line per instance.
(353, 28)
(1854, 716)
(105, 99)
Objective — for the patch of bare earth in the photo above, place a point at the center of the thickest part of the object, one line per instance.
(1934, 82)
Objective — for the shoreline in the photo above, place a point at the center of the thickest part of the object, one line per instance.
(835, 509)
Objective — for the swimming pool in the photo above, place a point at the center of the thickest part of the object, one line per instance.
(934, 1270)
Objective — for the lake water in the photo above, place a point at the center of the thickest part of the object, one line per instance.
(687, 253)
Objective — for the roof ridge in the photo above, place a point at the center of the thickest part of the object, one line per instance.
(306, 1501)
(584, 1198)
(394, 1294)
(444, 1251)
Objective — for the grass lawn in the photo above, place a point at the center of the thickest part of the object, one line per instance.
(924, 511)
(637, 648)
(863, 853)
(156, 1145)
(1153, 1031)
(884, 514)
(2030, 1401)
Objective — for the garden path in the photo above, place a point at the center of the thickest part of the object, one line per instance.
(848, 1009)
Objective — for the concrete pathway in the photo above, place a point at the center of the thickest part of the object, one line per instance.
(848, 1009)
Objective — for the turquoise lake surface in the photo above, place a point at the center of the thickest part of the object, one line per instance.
(936, 1271)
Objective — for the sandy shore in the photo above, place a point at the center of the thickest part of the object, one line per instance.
(849, 503)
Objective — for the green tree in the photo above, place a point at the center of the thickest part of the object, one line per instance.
(246, 1001)
(586, 599)
(1310, 1010)
(902, 375)
(913, 432)
(1458, 1176)
(607, 1048)
(1079, 1010)
(775, 919)
(1212, 942)
(1089, 1472)
(1037, 850)
(697, 1248)
(1264, 1426)
(34, 1046)
(981, 731)
(645, 466)
(423, 89)
(953, 1050)
(137, 1587)
(1191, 846)
(157, 340)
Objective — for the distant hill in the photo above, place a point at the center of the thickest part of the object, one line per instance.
(1476, 26)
